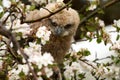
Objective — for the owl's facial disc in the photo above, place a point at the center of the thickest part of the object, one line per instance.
(58, 29)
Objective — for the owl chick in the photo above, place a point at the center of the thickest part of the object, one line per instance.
(63, 26)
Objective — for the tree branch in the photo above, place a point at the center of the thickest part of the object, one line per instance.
(51, 13)
(98, 9)
(11, 36)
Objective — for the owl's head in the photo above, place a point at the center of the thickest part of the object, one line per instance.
(63, 23)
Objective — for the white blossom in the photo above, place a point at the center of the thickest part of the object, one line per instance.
(100, 70)
(17, 26)
(14, 76)
(107, 72)
(35, 56)
(48, 72)
(92, 7)
(93, 4)
(1, 9)
(68, 73)
(33, 49)
(5, 16)
(23, 28)
(59, 0)
(43, 34)
(115, 46)
(1, 63)
(40, 78)
(6, 3)
(14, 73)
(17, 0)
(23, 68)
(3, 48)
(70, 70)
(117, 23)
(101, 23)
(47, 59)
(41, 1)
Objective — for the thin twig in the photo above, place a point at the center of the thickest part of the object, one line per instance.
(47, 10)
(84, 61)
(97, 59)
(31, 21)
(11, 36)
(98, 9)
(12, 52)
(13, 39)
(22, 14)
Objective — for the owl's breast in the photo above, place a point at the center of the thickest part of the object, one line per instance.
(58, 47)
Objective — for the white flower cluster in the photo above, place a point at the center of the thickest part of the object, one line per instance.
(107, 72)
(3, 49)
(72, 71)
(35, 56)
(100, 22)
(6, 3)
(1, 63)
(17, 27)
(1, 9)
(14, 73)
(92, 7)
(116, 46)
(44, 1)
(93, 4)
(117, 23)
(43, 34)
(48, 72)
(20, 28)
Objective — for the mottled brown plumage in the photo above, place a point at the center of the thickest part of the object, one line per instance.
(63, 26)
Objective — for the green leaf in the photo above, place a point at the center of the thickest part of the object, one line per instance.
(67, 56)
(81, 76)
(32, 7)
(101, 11)
(112, 57)
(118, 37)
(0, 2)
(91, 28)
(99, 40)
(19, 34)
(1, 14)
(22, 74)
(38, 40)
(74, 58)
(117, 61)
(90, 38)
(86, 53)
(82, 35)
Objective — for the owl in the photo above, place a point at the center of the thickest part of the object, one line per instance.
(62, 25)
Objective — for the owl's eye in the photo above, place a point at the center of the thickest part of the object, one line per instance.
(68, 26)
(53, 23)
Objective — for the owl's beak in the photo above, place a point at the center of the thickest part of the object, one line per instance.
(58, 31)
